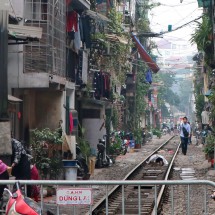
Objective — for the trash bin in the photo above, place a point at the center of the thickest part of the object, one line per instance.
(70, 167)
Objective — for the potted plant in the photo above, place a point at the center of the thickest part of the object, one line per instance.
(157, 133)
(46, 150)
(138, 136)
(209, 147)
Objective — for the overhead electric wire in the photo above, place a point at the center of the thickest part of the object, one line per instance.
(182, 26)
(178, 5)
(185, 16)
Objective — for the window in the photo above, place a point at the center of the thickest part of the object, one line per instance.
(36, 9)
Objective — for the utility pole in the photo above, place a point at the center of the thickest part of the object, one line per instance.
(3, 65)
(5, 135)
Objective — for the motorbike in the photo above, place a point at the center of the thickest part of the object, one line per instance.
(83, 170)
(204, 134)
(124, 147)
(102, 159)
(18, 204)
(198, 136)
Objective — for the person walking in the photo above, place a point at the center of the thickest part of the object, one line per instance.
(185, 133)
(20, 163)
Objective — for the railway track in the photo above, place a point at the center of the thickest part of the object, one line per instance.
(139, 199)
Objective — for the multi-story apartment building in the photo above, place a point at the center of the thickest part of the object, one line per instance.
(38, 71)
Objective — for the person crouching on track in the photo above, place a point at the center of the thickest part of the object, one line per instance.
(158, 159)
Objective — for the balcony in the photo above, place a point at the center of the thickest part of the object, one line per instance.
(49, 54)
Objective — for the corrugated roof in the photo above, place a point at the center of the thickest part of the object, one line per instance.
(24, 32)
(97, 16)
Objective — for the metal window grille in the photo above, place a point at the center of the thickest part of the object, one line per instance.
(49, 54)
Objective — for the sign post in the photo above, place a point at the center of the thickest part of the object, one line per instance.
(74, 196)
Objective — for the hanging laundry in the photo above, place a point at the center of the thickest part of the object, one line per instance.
(149, 76)
(77, 40)
(101, 84)
(19, 115)
(68, 2)
(71, 125)
(86, 28)
(72, 21)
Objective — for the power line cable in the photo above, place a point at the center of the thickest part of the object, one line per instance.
(165, 32)
(185, 16)
(178, 5)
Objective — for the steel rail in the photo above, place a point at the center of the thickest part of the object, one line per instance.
(102, 200)
(159, 198)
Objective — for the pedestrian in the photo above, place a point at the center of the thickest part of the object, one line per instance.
(4, 175)
(172, 128)
(190, 138)
(20, 163)
(35, 191)
(185, 132)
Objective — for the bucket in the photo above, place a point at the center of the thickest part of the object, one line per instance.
(69, 163)
(71, 173)
(70, 167)
(132, 144)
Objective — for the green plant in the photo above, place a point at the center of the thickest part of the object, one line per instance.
(138, 135)
(115, 147)
(46, 145)
(203, 37)
(85, 147)
(157, 132)
(115, 116)
(210, 144)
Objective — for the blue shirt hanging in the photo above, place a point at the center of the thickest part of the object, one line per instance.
(149, 76)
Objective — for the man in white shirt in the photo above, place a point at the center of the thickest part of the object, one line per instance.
(185, 133)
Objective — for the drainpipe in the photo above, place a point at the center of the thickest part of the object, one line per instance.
(3, 65)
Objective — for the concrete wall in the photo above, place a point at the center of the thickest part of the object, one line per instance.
(42, 108)
(92, 127)
(92, 132)
(48, 108)
(5, 139)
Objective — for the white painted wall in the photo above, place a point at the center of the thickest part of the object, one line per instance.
(92, 132)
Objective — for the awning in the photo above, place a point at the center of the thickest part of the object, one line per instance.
(114, 38)
(96, 16)
(20, 32)
(145, 56)
(77, 5)
(204, 3)
(13, 99)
